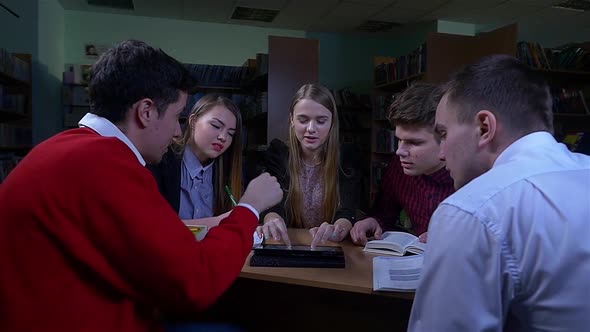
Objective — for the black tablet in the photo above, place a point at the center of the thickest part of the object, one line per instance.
(298, 251)
(275, 255)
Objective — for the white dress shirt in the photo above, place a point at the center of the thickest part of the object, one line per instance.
(196, 187)
(511, 249)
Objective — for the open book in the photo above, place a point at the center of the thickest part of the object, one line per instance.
(397, 273)
(396, 243)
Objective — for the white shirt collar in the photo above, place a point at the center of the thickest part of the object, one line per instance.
(521, 146)
(106, 128)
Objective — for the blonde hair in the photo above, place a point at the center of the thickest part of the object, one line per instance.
(228, 166)
(329, 159)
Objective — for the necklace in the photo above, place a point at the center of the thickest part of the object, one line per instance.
(314, 165)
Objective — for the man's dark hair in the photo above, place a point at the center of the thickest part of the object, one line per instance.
(131, 71)
(502, 84)
(415, 106)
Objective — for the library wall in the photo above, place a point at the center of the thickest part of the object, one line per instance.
(37, 32)
(19, 35)
(346, 59)
(456, 28)
(187, 41)
(47, 119)
(548, 29)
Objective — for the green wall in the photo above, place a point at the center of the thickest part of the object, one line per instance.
(346, 60)
(48, 119)
(19, 35)
(187, 41)
(456, 28)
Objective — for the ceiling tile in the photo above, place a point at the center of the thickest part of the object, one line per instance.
(539, 3)
(369, 2)
(353, 10)
(503, 14)
(422, 5)
(265, 4)
(345, 17)
(208, 11)
(454, 11)
(296, 14)
(399, 15)
(170, 9)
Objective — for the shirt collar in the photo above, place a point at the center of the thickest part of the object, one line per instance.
(440, 176)
(106, 128)
(521, 146)
(193, 165)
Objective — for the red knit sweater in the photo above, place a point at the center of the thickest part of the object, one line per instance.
(87, 243)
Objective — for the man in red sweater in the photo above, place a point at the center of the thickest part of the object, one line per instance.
(87, 243)
(415, 180)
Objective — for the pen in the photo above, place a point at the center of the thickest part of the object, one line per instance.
(231, 196)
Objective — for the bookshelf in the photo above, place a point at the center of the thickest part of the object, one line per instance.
(75, 103)
(15, 109)
(354, 116)
(567, 71)
(433, 61)
(245, 85)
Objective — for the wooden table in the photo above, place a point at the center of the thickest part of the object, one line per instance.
(356, 277)
(312, 299)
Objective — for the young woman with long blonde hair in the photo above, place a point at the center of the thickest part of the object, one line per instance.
(309, 172)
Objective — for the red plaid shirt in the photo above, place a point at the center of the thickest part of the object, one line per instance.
(418, 195)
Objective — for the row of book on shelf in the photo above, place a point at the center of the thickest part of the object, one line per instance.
(573, 57)
(389, 69)
(346, 98)
(15, 134)
(572, 101)
(385, 141)
(382, 103)
(8, 162)
(12, 102)
(250, 105)
(14, 66)
(229, 76)
(219, 75)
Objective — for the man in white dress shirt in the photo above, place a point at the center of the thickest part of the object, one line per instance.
(510, 250)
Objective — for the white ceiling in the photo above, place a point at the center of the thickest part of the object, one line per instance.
(343, 16)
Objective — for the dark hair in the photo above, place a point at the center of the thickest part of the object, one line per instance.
(415, 106)
(516, 95)
(131, 71)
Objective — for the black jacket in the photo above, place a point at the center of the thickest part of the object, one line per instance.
(167, 175)
(276, 161)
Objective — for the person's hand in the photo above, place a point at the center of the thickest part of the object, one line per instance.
(423, 237)
(329, 232)
(362, 228)
(263, 192)
(274, 226)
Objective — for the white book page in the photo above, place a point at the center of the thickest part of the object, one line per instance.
(398, 240)
(416, 247)
(397, 273)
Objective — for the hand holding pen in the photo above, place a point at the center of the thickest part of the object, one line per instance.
(231, 196)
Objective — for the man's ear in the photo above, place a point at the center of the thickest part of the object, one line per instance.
(487, 126)
(146, 111)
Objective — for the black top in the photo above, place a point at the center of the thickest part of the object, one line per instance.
(167, 175)
(276, 161)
